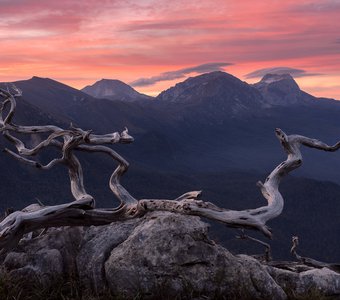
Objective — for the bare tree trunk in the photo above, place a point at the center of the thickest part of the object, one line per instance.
(82, 211)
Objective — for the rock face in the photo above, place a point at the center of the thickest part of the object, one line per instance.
(171, 254)
(159, 256)
(311, 283)
(47, 257)
(95, 250)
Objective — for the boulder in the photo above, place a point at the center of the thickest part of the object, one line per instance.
(159, 256)
(310, 284)
(95, 249)
(47, 257)
(171, 255)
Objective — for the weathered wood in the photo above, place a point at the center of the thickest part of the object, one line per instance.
(82, 210)
(267, 254)
(310, 261)
(250, 218)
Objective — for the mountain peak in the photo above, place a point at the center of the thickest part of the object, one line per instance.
(214, 90)
(269, 78)
(114, 89)
(282, 81)
(110, 81)
(42, 79)
(39, 78)
(212, 76)
(282, 90)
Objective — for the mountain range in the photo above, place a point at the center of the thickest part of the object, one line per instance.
(212, 132)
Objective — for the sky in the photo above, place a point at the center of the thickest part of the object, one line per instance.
(152, 44)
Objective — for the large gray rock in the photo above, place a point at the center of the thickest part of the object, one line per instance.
(46, 265)
(171, 255)
(96, 248)
(46, 258)
(314, 283)
(159, 256)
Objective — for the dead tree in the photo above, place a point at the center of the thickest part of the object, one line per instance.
(82, 211)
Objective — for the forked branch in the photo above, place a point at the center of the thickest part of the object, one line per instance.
(82, 210)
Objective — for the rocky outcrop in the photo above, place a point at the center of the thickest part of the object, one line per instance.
(313, 283)
(159, 256)
(170, 255)
(95, 250)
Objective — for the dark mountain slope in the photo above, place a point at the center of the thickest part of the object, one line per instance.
(75, 106)
(52, 96)
(213, 132)
(21, 184)
(193, 127)
(218, 138)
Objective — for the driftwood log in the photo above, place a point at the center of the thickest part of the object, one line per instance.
(82, 211)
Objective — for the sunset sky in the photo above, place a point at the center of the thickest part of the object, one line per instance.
(153, 44)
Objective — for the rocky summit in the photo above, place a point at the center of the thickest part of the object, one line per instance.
(159, 256)
(282, 90)
(115, 90)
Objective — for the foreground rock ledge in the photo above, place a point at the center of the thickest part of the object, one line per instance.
(160, 255)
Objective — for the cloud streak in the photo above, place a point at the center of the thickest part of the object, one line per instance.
(327, 6)
(279, 71)
(181, 73)
(150, 38)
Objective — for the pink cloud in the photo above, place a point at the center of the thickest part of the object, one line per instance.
(134, 39)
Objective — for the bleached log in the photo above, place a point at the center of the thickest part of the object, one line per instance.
(82, 211)
(250, 218)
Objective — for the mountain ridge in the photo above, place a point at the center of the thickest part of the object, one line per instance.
(115, 89)
(188, 146)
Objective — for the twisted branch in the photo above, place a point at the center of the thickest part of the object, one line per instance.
(250, 218)
(82, 210)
